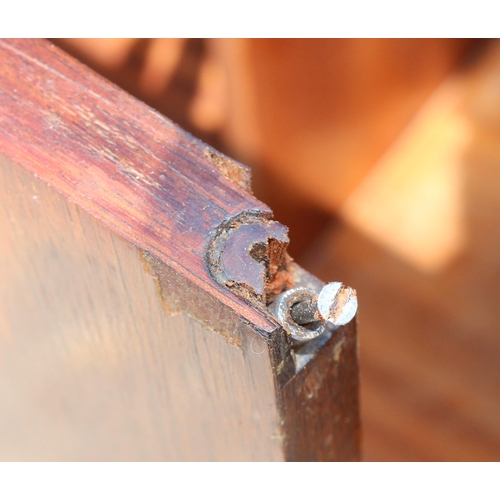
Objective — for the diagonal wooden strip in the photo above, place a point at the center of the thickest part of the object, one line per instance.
(119, 160)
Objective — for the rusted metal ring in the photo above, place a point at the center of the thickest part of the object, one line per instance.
(281, 309)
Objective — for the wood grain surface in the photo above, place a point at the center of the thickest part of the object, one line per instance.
(91, 366)
(117, 341)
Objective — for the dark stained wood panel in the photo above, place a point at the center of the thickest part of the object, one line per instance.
(330, 380)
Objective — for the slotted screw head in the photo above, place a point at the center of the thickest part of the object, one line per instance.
(337, 303)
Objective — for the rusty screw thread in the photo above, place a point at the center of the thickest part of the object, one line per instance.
(305, 312)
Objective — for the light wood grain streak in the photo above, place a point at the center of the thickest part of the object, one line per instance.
(91, 368)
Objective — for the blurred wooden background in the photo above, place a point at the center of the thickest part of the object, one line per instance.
(383, 158)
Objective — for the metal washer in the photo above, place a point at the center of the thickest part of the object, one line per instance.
(282, 307)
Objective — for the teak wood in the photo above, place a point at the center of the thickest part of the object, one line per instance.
(117, 342)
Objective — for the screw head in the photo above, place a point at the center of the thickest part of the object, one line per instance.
(337, 303)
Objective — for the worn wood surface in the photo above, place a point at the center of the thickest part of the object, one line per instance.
(118, 341)
(92, 367)
(330, 376)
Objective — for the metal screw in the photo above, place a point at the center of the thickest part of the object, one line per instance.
(335, 305)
